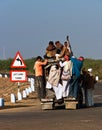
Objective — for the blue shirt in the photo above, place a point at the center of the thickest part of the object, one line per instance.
(77, 65)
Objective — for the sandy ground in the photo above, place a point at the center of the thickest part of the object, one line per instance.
(7, 87)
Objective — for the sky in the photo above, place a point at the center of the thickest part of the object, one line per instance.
(27, 26)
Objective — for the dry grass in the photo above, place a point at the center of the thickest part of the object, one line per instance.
(7, 87)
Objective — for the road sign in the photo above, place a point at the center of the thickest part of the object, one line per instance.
(18, 61)
(18, 76)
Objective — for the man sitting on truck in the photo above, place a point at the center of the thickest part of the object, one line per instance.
(50, 51)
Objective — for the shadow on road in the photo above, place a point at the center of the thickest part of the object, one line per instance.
(60, 107)
(10, 107)
(98, 105)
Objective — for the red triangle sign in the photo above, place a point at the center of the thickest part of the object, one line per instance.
(18, 61)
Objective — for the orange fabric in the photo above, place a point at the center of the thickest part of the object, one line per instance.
(38, 67)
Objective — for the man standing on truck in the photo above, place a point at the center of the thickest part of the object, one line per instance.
(39, 76)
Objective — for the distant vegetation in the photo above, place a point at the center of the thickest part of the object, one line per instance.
(5, 65)
(96, 65)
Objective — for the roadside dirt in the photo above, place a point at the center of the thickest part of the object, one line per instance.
(7, 87)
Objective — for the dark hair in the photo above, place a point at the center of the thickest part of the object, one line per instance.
(57, 42)
(51, 43)
(39, 57)
(65, 42)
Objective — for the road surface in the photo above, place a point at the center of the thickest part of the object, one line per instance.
(29, 118)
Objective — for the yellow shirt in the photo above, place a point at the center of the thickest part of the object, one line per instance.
(38, 67)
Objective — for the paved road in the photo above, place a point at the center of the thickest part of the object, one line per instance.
(59, 119)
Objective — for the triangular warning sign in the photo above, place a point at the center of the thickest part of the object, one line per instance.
(18, 61)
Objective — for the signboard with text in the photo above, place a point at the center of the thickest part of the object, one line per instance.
(18, 76)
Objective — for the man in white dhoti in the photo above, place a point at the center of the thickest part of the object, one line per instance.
(61, 89)
(54, 81)
(66, 75)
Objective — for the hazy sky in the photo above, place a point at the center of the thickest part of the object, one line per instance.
(28, 25)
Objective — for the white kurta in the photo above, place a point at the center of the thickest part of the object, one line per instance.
(67, 66)
(61, 90)
(53, 82)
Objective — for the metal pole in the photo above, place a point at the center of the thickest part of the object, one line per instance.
(18, 86)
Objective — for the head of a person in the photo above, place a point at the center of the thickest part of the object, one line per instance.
(39, 58)
(90, 70)
(81, 58)
(66, 57)
(66, 44)
(51, 43)
(58, 44)
(84, 70)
